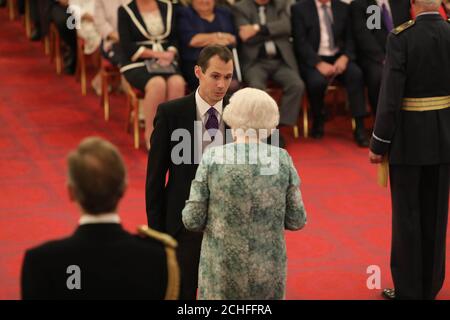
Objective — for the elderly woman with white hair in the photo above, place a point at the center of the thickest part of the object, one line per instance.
(243, 208)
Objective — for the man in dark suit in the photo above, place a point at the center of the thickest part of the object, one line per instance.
(324, 47)
(100, 260)
(56, 11)
(184, 128)
(412, 133)
(371, 44)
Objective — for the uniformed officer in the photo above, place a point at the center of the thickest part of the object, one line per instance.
(412, 132)
(101, 260)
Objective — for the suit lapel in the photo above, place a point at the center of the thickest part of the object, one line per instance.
(271, 11)
(395, 12)
(314, 16)
(163, 11)
(187, 120)
(337, 19)
(133, 6)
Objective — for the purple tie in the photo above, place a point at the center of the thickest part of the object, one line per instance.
(387, 18)
(212, 124)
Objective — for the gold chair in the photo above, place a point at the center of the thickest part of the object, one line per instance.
(81, 68)
(55, 47)
(108, 72)
(277, 92)
(334, 88)
(13, 9)
(133, 97)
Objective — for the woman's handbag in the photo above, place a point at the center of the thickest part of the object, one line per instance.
(154, 68)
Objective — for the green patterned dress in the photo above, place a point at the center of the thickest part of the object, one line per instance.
(243, 209)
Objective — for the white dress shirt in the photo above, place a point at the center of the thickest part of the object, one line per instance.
(203, 107)
(101, 218)
(324, 47)
(386, 2)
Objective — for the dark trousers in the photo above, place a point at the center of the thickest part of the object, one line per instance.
(188, 255)
(373, 73)
(258, 74)
(316, 85)
(420, 197)
(60, 16)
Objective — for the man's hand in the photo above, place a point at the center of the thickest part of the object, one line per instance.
(231, 39)
(87, 17)
(341, 64)
(326, 69)
(113, 36)
(375, 158)
(63, 2)
(247, 31)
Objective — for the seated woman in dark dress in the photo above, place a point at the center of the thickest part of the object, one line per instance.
(146, 32)
(201, 23)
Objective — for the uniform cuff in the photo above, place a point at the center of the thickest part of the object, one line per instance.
(379, 147)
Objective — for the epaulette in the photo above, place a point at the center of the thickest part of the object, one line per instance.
(403, 27)
(173, 270)
(166, 239)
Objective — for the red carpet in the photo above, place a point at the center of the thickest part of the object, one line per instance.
(43, 116)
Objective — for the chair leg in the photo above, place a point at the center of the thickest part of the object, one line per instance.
(305, 118)
(130, 111)
(353, 124)
(83, 74)
(295, 129)
(27, 19)
(136, 122)
(12, 9)
(58, 57)
(105, 94)
(47, 45)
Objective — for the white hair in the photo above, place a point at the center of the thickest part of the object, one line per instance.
(252, 110)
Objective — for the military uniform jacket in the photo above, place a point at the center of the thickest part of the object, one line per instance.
(113, 264)
(417, 66)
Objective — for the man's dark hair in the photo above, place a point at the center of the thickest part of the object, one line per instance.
(97, 174)
(208, 52)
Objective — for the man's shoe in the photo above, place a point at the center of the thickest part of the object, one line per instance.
(361, 138)
(389, 294)
(317, 130)
(35, 35)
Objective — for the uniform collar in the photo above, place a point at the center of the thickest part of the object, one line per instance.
(99, 219)
(428, 13)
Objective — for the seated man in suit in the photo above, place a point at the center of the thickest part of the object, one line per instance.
(324, 47)
(266, 52)
(371, 44)
(100, 260)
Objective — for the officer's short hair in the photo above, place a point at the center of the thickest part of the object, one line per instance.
(210, 51)
(97, 175)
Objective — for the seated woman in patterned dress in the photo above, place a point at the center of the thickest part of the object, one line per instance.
(244, 195)
(146, 32)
